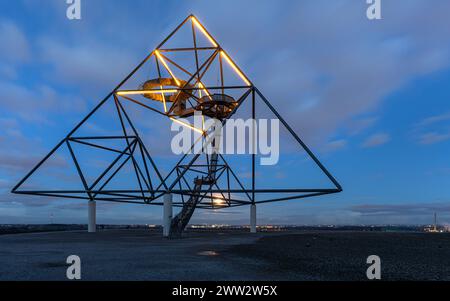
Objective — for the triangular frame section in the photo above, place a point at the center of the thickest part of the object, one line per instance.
(190, 90)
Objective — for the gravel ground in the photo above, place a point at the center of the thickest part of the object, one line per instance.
(342, 255)
(230, 255)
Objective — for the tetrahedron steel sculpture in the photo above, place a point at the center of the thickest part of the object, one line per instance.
(174, 82)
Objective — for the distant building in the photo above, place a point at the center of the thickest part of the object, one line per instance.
(434, 228)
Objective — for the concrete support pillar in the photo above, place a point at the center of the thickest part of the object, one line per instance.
(91, 217)
(252, 218)
(167, 214)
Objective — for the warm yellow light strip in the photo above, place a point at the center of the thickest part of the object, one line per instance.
(200, 85)
(136, 92)
(200, 27)
(187, 125)
(236, 69)
(164, 100)
(167, 67)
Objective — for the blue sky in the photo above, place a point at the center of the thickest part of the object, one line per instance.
(369, 97)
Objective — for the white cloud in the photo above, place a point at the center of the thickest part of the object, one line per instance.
(7, 71)
(433, 137)
(87, 65)
(14, 45)
(376, 140)
(433, 129)
(357, 126)
(335, 145)
(434, 119)
(33, 103)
